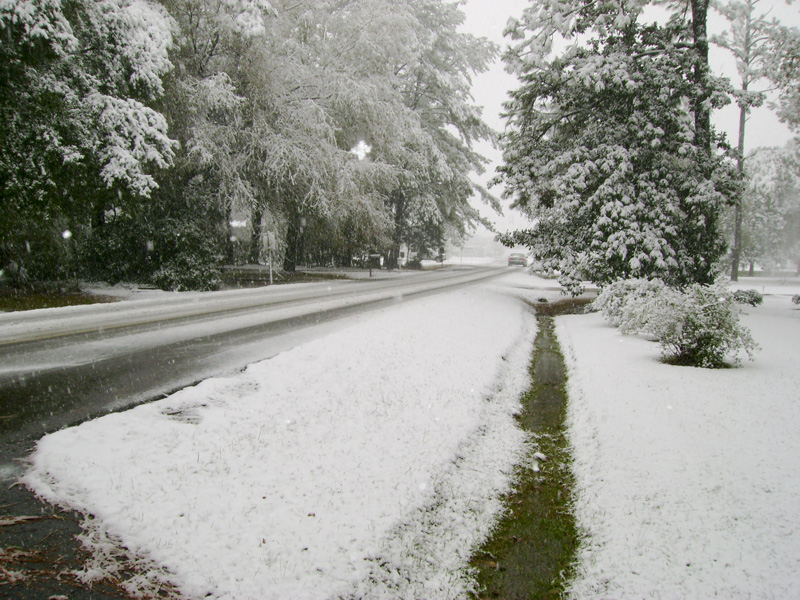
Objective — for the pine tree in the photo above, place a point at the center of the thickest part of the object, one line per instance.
(609, 146)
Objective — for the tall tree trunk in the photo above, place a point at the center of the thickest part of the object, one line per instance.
(301, 243)
(747, 59)
(737, 216)
(702, 112)
(256, 237)
(99, 214)
(292, 245)
(230, 251)
(705, 241)
(295, 242)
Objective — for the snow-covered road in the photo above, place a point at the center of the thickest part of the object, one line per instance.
(210, 312)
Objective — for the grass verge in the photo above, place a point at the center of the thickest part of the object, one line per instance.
(54, 295)
(532, 551)
(30, 298)
(258, 276)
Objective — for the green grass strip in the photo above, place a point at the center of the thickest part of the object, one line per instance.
(16, 300)
(532, 550)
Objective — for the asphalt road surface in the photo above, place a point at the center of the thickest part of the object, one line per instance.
(63, 366)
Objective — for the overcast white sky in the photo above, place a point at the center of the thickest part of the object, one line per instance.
(489, 17)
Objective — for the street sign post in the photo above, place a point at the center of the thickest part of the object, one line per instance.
(271, 245)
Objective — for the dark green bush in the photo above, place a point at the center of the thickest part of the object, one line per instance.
(36, 252)
(173, 253)
(414, 263)
(751, 297)
(120, 251)
(187, 272)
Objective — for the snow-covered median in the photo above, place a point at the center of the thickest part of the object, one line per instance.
(368, 462)
(687, 478)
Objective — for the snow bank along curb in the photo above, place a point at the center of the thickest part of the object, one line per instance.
(687, 479)
(359, 462)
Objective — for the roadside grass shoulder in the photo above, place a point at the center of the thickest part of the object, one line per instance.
(31, 298)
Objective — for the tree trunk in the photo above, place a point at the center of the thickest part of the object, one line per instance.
(99, 214)
(256, 237)
(292, 245)
(702, 112)
(301, 243)
(397, 234)
(295, 243)
(230, 251)
(737, 219)
(747, 59)
(706, 241)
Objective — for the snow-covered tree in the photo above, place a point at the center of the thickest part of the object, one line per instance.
(771, 202)
(785, 71)
(265, 101)
(748, 39)
(605, 149)
(332, 75)
(75, 126)
(432, 202)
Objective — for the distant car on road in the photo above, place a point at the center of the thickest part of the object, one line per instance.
(517, 258)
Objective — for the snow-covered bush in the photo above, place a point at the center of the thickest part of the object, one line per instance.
(796, 298)
(751, 297)
(187, 259)
(698, 326)
(622, 302)
(172, 251)
(187, 272)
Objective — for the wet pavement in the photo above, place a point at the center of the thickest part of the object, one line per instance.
(39, 553)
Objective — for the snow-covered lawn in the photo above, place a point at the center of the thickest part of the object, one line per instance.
(688, 479)
(368, 462)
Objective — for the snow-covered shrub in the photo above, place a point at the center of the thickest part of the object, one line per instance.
(623, 302)
(796, 298)
(698, 326)
(187, 272)
(751, 297)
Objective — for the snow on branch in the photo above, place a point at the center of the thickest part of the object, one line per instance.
(149, 39)
(132, 138)
(249, 15)
(39, 20)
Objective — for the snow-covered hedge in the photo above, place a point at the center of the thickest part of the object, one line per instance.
(751, 297)
(697, 326)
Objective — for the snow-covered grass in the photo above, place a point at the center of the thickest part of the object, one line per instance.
(365, 463)
(687, 478)
(368, 463)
